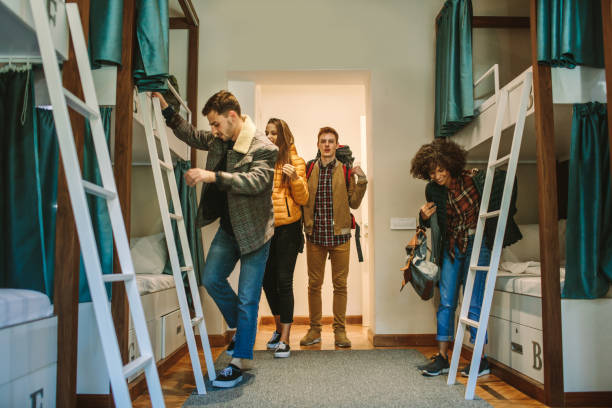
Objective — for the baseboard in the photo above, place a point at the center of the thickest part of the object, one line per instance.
(588, 399)
(94, 400)
(305, 320)
(403, 340)
(139, 385)
(221, 340)
(518, 380)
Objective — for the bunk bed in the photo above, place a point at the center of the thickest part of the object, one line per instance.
(28, 325)
(527, 306)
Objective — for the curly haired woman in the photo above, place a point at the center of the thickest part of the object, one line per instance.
(453, 195)
(290, 192)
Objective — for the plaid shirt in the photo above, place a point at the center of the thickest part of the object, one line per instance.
(462, 211)
(323, 227)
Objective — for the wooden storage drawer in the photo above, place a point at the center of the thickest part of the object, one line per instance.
(173, 332)
(155, 334)
(527, 356)
(501, 306)
(36, 389)
(527, 311)
(499, 346)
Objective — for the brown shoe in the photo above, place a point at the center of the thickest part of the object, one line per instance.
(312, 337)
(340, 338)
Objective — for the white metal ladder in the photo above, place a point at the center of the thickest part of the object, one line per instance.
(77, 187)
(502, 216)
(157, 164)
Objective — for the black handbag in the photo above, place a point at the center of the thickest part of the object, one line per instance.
(422, 274)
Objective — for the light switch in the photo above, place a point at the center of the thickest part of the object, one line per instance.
(403, 223)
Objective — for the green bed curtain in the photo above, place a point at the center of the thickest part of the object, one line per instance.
(105, 32)
(23, 256)
(588, 271)
(97, 208)
(570, 33)
(189, 205)
(454, 106)
(151, 59)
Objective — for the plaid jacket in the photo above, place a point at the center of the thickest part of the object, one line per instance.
(248, 180)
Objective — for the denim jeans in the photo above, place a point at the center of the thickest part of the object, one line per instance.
(452, 274)
(239, 310)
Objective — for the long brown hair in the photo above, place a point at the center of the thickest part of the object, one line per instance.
(284, 140)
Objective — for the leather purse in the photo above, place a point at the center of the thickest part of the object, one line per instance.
(422, 274)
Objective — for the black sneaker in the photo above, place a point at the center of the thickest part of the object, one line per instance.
(282, 350)
(228, 377)
(230, 347)
(439, 365)
(274, 340)
(422, 366)
(484, 368)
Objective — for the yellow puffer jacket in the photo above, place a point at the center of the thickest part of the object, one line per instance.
(287, 200)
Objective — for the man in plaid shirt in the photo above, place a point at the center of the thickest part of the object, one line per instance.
(327, 224)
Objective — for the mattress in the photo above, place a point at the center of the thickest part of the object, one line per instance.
(151, 283)
(527, 284)
(21, 305)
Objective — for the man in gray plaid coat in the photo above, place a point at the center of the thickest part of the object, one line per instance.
(238, 181)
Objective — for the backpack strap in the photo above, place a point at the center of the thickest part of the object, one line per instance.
(309, 167)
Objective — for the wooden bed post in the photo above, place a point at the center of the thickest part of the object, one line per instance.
(124, 114)
(192, 81)
(606, 15)
(548, 218)
(67, 251)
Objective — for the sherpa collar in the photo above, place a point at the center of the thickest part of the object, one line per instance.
(243, 142)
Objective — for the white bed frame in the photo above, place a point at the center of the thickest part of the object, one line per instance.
(28, 372)
(515, 325)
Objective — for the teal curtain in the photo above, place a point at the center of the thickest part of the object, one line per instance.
(570, 33)
(97, 208)
(189, 205)
(105, 32)
(454, 106)
(48, 159)
(23, 251)
(151, 59)
(588, 272)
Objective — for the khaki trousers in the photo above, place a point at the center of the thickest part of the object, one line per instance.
(316, 256)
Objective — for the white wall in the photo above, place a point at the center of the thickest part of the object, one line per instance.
(394, 41)
(307, 108)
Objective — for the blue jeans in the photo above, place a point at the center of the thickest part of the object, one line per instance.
(239, 310)
(452, 274)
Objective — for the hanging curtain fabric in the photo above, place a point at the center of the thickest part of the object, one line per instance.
(588, 271)
(48, 159)
(151, 59)
(570, 33)
(189, 205)
(454, 78)
(97, 208)
(105, 32)
(23, 251)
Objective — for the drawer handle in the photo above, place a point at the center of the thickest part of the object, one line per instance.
(517, 348)
(178, 329)
(37, 398)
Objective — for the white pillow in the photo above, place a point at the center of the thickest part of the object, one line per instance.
(528, 248)
(149, 254)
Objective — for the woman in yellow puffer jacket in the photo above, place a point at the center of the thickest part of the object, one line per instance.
(289, 194)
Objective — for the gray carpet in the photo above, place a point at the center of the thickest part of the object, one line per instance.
(330, 378)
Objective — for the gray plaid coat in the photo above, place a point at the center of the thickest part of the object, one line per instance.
(248, 180)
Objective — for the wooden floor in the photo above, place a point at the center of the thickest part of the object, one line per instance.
(178, 383)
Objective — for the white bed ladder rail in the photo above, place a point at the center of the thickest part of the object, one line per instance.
(77, 188)
(165, 164)
(502, 216)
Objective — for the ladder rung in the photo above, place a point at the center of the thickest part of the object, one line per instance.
(479, 268)
(95, 189)
(469, 322)
(78, 105)
(117, 277)
(500, 162)
(186, 268)
(196, 320)
(136, 365)
(166, 165)
(176, 217)
(491, 214)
